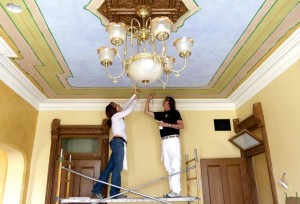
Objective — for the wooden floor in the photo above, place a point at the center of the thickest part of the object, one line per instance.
(126, 200)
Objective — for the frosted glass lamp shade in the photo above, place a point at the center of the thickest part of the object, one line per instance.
(116, 33)
(144, 68)
(106, 55)
(184, 46)
(161, 27)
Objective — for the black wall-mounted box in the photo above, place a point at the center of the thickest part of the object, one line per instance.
(222, 124)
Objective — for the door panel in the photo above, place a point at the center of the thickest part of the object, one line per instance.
(225, 181)
(235, 183)
(215, 184)
(81, 186)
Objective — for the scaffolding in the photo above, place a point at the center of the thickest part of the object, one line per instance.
(192, 164)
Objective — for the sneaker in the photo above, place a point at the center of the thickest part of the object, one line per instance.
(171, 195)
(98, 195)
(120, 196)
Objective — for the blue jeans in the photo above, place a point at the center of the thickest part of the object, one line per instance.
(114, 166)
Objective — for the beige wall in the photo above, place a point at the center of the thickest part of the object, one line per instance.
(262, 179)
(17, 126)
(280, 101)
(143, 146)
(3, 167)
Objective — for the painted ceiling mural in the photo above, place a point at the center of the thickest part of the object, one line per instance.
(56, 44)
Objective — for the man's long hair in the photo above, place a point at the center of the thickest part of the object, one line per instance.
(172, 102)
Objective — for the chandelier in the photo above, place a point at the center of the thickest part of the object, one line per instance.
(141, 60)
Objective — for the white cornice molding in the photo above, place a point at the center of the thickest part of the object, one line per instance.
(282, 59)
(5, 50)
(278, 62)
(100, 104)
(15, 79)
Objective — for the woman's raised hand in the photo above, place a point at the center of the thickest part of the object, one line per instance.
(151, 96)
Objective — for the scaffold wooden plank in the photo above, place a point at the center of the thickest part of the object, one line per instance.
(125, 200)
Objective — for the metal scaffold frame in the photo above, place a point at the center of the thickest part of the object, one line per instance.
(189, 165)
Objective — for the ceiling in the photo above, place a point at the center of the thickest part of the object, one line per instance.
(54, 44)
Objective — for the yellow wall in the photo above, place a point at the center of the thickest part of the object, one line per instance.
(3, 167)
(262, 179)
(143, 146)
(17, 126)
(280, 101)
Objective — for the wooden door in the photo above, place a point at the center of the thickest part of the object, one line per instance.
(80, 186)
(225, 181)
(87, 145)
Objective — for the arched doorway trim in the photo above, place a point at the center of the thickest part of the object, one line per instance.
(14, 175)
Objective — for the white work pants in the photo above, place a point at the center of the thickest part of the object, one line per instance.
(172, 159)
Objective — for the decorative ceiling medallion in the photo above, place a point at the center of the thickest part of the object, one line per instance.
(124, 10)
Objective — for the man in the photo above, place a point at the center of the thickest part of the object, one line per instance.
(170, 122)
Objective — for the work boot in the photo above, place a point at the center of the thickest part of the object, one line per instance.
(171, 195)
(98, 195)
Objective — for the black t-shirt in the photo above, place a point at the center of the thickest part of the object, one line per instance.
(171, 117)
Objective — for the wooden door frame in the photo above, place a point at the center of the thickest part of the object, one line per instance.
(253, 122)
(56, 131)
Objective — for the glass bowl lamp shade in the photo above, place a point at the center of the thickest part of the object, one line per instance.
(116, 33)
(144, 68)
(184, 46)
(161, 27)
(106, 55)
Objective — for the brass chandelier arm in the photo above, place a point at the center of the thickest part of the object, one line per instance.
(134, 32)
(157, 57)
(153, 42)
(164, 49)
(177, 71)
(114, 77)
(123, 61)
(148, 21)
(164, 83)
(132, 26)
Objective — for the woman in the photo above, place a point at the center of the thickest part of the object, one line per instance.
(115, 115)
